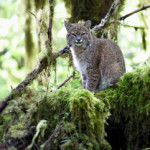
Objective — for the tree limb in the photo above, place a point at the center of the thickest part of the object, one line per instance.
(63, 52)
(59, 86)
(33, 14)
(18, 142)
(51, 13)
(135, 27)
(30, 77)
(131, 13)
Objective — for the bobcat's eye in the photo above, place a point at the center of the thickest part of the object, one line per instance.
(73, 34)
(82, 34)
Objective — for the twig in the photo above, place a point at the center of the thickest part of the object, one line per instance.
(47, 144)
(33, 14)
(51, 13)
(129, 14)
(135, 27)
(3, 52)
(59, 86)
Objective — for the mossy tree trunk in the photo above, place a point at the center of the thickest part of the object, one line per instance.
(93, 10)
(38, 4)
(29, 44)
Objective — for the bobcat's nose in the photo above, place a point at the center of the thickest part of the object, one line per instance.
(79, 40)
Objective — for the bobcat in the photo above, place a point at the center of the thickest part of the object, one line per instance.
(99, 61)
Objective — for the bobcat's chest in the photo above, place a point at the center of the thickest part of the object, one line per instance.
(79, 62)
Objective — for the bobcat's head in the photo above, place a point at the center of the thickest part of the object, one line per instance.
(78, 35)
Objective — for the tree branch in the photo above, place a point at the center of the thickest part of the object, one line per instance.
(51, 13)
(131, 13)
(135, 27)
(59, 86)
(62, 53)
(33, 14)
(30, 77)
(109, 13)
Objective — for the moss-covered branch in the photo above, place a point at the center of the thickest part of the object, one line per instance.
(129, 123)
(51, 8)
(74, 120)
(31, 76)
(21, 87)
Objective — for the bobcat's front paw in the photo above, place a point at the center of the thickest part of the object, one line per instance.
(90, 89)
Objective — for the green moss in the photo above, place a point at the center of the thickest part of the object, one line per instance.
(79, 115)
(4, 122)
(17, 130)
(76, 106)
(130, 106)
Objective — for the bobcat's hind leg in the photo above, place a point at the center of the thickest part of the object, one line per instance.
(111, 75)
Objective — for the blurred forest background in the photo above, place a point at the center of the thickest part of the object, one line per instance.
(20, 45)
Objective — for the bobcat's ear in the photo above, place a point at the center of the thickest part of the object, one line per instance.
(87, 24)
(68, 25)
